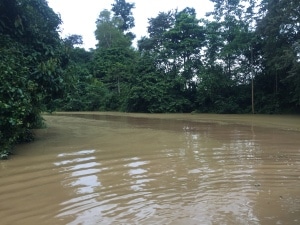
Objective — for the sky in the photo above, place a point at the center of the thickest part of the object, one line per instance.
(79, 16)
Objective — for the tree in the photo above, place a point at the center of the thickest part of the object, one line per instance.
(175, 41)
(122, 10)
(155, 43)
(108, 32)
(83, 92)
(278, 29)
(183, 46)
(229, 40)
(31, 66)
(114, 57)
(73, 40)
(156, 29)
(150, 91)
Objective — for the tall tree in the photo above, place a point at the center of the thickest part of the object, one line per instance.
(175, 41)
(123, 10)
(278, 29)
(228, 38)
(155, 43)
(114, 55)
(108, 32)
(183, 45)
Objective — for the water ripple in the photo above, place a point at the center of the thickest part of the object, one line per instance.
(157, 172)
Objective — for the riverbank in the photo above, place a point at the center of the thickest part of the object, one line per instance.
(286, 122)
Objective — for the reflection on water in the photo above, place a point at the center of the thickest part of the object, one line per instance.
(83, 175)
(149, 171)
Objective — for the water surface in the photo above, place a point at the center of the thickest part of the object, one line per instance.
(116, 169)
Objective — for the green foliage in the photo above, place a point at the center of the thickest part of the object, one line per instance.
(151, 92)
(279, 32)
(73, 40)
(30, 67)
(189, 64)
(122, 9)
(183, 45)
(108, 33)
(82, 92)
(114, 60)
(15, 96)
(86, 96)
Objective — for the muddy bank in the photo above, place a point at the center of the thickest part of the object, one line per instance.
(286, 122)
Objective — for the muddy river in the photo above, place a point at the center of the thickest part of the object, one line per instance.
(114, 168)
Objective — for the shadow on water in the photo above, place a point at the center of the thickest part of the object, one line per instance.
(122, 170)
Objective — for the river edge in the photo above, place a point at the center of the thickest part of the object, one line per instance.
(285, 122)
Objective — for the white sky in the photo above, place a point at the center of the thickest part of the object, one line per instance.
(79, 16)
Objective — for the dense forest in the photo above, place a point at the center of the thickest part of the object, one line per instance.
(244, 57)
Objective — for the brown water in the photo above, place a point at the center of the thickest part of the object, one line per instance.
(116, 169)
